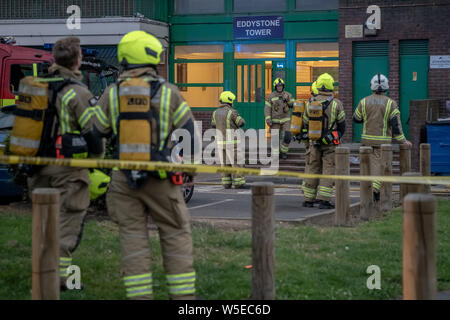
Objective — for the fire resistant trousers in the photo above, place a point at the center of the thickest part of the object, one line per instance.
(283, 129)
(73, 184)
(319, 160)
(375, 167)
(228, 156)
(130, 209)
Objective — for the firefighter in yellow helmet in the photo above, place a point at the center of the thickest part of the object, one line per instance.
(324, 121)
(303, 136)
(144, 110)
(76, 136)
(227, 121)
(278, 117)
(381, 121)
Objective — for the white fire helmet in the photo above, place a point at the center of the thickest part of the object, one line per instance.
(379, 82)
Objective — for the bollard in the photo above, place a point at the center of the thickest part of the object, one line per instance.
(411, 187)
(405, 164)
(366, 194)
(263, 239)
(342, 212)
(419, 247)
(386, 170)
(425, 164)
(45, 244)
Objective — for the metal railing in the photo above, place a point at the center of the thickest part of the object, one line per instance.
(54, 9)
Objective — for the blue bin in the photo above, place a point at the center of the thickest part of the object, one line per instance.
(438, 136)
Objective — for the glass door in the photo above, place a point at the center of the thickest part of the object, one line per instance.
(250, 80)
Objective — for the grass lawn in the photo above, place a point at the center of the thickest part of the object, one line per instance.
(311, 262)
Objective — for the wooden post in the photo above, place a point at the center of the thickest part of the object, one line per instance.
(386, 170)
(366, 194)
(419, 247)
(263, 239)
(342, 214)
(405, 165)
(425, 164)
(45, 246)
(411, 187)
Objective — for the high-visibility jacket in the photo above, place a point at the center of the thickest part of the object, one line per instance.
(333, 114)
(168, 103)
(277, 107)
(226, 119)
(378, 112)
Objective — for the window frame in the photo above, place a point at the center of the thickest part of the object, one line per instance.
(309, 84)
(206, 13)
(286, 9)
(296, 9)
(207, 84)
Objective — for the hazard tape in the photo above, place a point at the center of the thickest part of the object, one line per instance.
(290, 186)
(197, 168)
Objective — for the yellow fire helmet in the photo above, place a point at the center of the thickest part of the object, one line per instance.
(314, 90)
(99, 183)
(325, 82)
(139, 48)
(277, 82)
(227, 97)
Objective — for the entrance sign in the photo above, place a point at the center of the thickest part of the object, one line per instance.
(261, 27)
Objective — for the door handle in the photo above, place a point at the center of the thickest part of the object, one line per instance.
(444, 145)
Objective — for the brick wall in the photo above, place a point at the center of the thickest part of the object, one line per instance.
(400, 20)
(205, 117)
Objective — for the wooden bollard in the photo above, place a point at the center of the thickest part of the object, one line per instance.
(411, 187)
(405, 164)
(366, 194)
(45, 244)
(342, 214)
(419, 247)
(425, 164)
(263, 240)
(386, 170)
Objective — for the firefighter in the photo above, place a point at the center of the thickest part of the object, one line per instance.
(144, 110)
(227, 120)
(303, 136)
(324, 121)
(381, 121)
(277, 115)
(77, 137)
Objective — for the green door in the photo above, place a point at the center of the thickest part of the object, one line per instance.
(278, 71)
(249, 90)
(413, 76)
(369, 58)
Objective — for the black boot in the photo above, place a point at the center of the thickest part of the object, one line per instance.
(376, 196)
(284, 156)
(227, 186)
(308, 204)
(326, 205)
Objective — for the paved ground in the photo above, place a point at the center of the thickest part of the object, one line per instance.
(215, 202)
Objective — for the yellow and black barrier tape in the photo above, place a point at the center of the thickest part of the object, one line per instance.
(202, 168)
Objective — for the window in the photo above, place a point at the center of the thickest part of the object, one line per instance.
(255, 51)
(309, 71)
(259, 5)
(199, 6)
(312, 60)
(210, 72)
(202, 96)
(319, 49)
(199, 52)
(198, 71)
(306, 5)
(19, 71)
